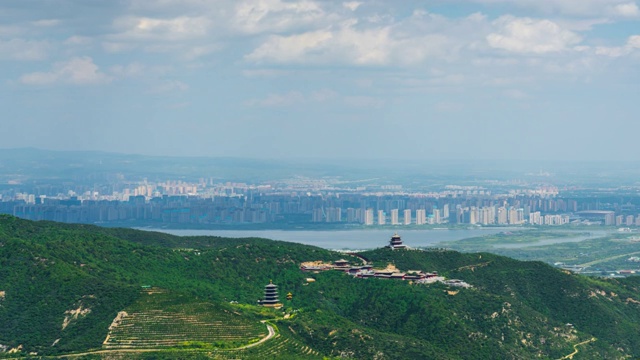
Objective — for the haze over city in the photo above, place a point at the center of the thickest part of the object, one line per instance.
(482, 79)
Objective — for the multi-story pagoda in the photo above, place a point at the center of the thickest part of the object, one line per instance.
(396, 242)
(270, 296)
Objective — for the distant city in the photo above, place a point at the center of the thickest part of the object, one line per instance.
(303, 200)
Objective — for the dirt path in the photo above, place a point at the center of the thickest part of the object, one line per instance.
(575, 348)
(271, 334)
(364, 261)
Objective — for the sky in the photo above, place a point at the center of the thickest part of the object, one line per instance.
(432, 79)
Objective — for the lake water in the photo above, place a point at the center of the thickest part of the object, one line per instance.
(362, 239)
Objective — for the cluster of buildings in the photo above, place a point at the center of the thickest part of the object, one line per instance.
(537, 218)
(610, 218)
(367, 271)
(390, 272)
(302, 200)
(487, 215)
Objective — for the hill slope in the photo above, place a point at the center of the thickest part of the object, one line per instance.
(62, 286)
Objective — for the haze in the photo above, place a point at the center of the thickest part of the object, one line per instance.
(482, 79)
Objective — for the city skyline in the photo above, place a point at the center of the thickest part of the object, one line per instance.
(476, 79)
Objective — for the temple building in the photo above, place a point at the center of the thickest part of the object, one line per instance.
(270, 296)
(396, 242)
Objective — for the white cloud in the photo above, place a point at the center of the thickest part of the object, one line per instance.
(573, 7)
(10, 30)
(46, 23)
(131, 70)
(525, 35)
(349, 43)
(76, 71)
(289, 48)
(264, 73)
(352, 5)
(632, 44)
(173, 29)
(78, 40)
(196, 52)
(611, 51)
(117, 47)
(625, 10)
(269, 16)
(19, 49)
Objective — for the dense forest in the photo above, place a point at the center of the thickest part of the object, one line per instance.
(62, 286)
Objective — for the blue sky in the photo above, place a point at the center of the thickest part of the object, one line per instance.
(456, 79)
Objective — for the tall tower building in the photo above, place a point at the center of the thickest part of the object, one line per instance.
(394, 217)
(502, 216)
(407, 216)
(270, 296)
(351, 215)
(368, 217)
(381, 217)
(421, 217)
(473, 215)
(436, 216)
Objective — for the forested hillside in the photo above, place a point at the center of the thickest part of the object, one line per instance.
(62, 286)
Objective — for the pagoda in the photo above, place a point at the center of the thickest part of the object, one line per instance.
(270, 296)
(396, 242)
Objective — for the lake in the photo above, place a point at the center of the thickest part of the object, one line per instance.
(357, 239)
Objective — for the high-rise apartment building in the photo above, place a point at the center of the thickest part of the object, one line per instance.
(421, 217)
(610, 218)
(333, 215)
(394, 217)
(368, 217)
(317, 215)
(381, 217)
(502, 216)
(351, 215)
(407, 216)
(630, 220)
(473, 215)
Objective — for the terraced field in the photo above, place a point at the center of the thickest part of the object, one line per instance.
(161, 320)
(284, 344)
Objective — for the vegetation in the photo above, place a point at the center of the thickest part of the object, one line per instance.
(599, 255)
(164, 319)
(62, 286)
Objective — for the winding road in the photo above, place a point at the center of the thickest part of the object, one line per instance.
(575, 348)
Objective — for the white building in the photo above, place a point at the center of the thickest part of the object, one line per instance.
(407, 216)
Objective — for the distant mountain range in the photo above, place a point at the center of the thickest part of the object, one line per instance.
(31, 163)
(121, 293)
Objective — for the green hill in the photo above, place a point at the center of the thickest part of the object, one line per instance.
(120, 293)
